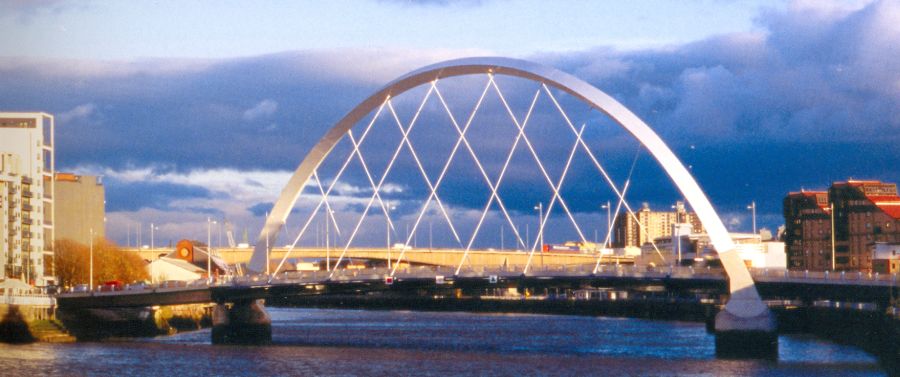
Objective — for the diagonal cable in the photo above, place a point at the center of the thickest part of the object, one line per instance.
(459, 141)
(496, 187)
(412, 151)
(562, 178)
(381, 181)
(597, 164)
(537, 160)
(333, 183)
(474, 156)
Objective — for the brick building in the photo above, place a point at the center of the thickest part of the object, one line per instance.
(807, 236)
(865, 212)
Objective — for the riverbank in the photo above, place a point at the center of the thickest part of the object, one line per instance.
(26, 324)
(92, 324)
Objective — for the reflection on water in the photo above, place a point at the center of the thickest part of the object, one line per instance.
(348, 342)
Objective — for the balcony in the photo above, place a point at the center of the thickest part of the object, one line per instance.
(26, 221)
(12, 218)
(27, 207)
(12, 190)
(26, 180)
(27, 194)
(26, 235)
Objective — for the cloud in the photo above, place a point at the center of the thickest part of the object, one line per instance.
(77, 113)
(768, 111)
(264, 108)
(24, 9)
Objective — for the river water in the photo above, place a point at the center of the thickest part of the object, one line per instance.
(316, 342)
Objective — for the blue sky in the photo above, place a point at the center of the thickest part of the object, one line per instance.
(172, 101)
(201, 29)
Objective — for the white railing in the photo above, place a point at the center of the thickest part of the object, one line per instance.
(31, 299)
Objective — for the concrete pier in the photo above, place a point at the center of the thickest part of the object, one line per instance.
(245, 322)
(742, 337)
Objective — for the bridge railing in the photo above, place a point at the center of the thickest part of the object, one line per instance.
(829, 276)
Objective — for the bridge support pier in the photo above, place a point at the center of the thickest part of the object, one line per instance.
(739, 337)
(244, 322)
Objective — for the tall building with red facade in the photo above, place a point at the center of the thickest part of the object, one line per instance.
(865, 212)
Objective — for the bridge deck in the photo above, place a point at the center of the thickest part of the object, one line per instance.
(772, 283)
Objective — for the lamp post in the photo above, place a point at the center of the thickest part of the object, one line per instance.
(833, 259)
(152, 235)
(91, 271)
(752, 208)
(328, 240)
(608, 209)
(209, 223)
(387, 224)
(540, 209)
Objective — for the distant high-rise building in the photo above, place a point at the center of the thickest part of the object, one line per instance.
(865, 212)
(26, 197)
(80, 207)
(650, 225)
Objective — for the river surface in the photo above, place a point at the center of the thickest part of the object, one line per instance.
(316, 342)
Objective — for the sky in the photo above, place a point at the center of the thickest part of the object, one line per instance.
(197, 109)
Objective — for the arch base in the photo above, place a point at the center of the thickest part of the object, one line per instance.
(746, 337)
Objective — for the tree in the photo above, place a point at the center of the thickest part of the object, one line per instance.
(110, 263)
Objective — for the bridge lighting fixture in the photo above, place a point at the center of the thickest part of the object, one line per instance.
(91, 271)
(540, 209)
(833, 259)
(209, 223)
(752, 208)
(328, 240)
(387, 224)
(608, 208)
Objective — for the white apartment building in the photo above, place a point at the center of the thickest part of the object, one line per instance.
(754, 251)
(26, 197)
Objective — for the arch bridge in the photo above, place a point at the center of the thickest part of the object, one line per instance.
(745, 317)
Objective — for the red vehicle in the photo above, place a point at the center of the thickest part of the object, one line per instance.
(112, 285)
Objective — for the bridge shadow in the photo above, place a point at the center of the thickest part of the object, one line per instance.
(14, 327)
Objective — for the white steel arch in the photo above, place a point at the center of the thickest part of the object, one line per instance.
(744, 301)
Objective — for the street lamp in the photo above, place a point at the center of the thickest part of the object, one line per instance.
(387, 224)
(328, 240)
(91, 271)
(833, 259)
(540, 209)
(752, 208)
(608, 209)
(152, 235)
(209, 223)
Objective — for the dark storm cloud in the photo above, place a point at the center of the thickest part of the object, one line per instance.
(813, 98)
(261, 209)
(132, 196)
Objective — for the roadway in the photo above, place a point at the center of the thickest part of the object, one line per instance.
(415, 256)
